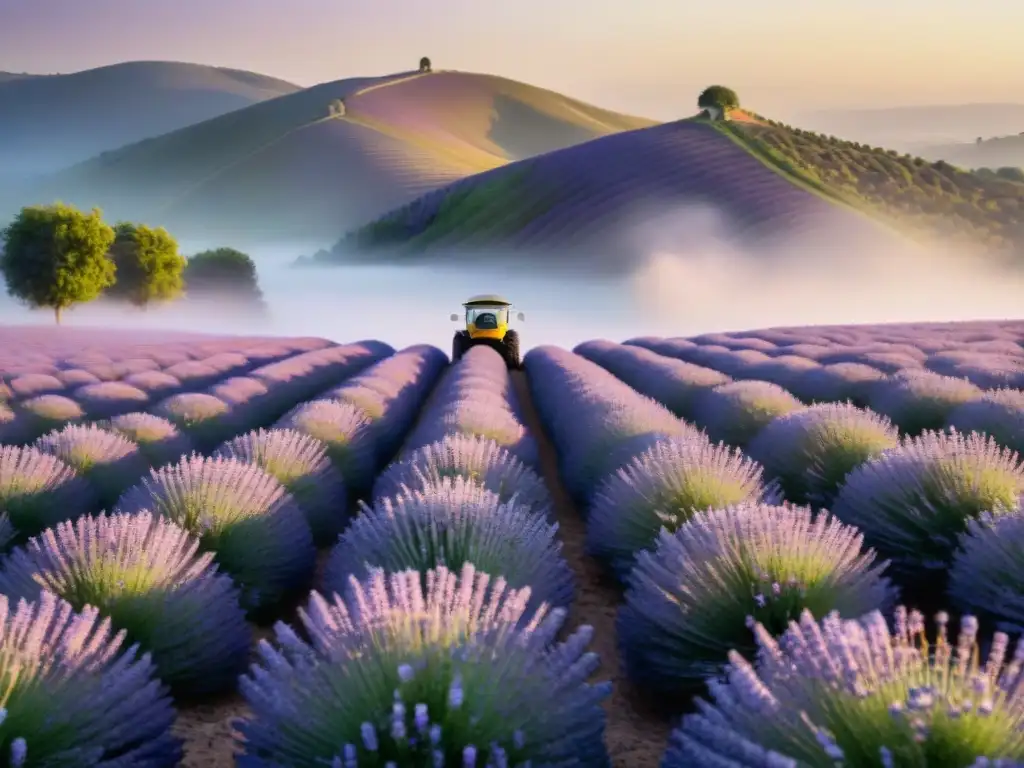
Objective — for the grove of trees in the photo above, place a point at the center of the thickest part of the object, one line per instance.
(56, 256)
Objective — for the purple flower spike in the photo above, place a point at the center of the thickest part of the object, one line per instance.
(735, 412)
(852, 692)
(999, 413)
(75, 696)
(917, 401)
(345, 433)
(240, 513)
(454, 522)
(38, 490)
(811, 451)
(442, 666)
(691, 598)
(157, 438)
(474, 458)
(913, 502)
(663, 488)
(109, 461)
(300, 463)
(145, 574)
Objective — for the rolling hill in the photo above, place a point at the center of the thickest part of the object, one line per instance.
(52, 121)
(996, 152)
(293, 168)
(771, 183)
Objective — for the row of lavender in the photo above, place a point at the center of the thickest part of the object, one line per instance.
(434, 641)
(716, 568)
(190, 552)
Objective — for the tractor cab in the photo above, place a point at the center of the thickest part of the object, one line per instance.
(487, 321)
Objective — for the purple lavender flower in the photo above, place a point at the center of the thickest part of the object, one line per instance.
(913, 502)
(144, 574)
(421, 671)
(453, 522)
(837, 383)
(109, 461)
(38, 490)
(987, 576)
(240, 513)
(344, 431)
(157, 438)
(662, 489)
(917, 401)
(75, 696)
(735, 412)
(42, 414)
(204, 418)
(811, 451)
(300, 463)
(999, 413)
(691, 598)
(110, 398)
(851, 692)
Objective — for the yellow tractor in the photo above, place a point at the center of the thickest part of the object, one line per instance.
(487, 323)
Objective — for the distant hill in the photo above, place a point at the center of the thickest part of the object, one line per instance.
(996, 152)
(292, 168)
(48, 122)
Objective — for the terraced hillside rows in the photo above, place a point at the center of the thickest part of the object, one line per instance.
(311, 164)
(532, 568)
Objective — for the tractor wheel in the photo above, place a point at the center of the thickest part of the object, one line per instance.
(511, 350)
(460, 343)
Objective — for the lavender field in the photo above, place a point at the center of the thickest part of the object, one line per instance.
(794, 547)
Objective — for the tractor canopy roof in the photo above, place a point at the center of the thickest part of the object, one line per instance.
(487, 300)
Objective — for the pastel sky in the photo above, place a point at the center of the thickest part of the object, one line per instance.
(641, 56)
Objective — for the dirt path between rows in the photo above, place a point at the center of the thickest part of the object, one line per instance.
(635, 736)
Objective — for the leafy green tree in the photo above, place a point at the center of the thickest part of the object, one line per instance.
(222, 271)
(55, 256)
(425, 65)
(718, 96)
(149, 266)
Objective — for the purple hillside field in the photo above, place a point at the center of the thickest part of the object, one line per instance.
(454, 522)
(917, 401)
(38, 490)
(696, 594)
(672, 383)
(301, 464)
(662, 489)
(109, 461)
(987, 576)
(736, 412)
(811, 451)
(346, 434)
(913, 502)
(157, 438)
(462, 639)
(253, 526)
(76, 695)
(793, 709)
(596, 422)
(998, 413)
(147, 575)
(472, 457)
(110, 398)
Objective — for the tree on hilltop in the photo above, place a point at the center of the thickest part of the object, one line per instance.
(718, 98)
(149, 266)
(425, 65)
(222, 271)
(55, 256)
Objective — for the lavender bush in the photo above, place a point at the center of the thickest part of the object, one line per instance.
(917, 401)
(32, 384)
(144, 574)
(204, 418)
(999, 413)
(154, 383)
(850, 692)
(811, 451)
(451, 523)
(109, 461)
(110, 398)
(157, 438)
(836, 383)
(76, 377)
(987, 576)
(734, 413)
(73, 696)
(240, 513)
(474, 458)
(344, 431)
(453, 672)
(691, 598)
(300, 463)
(662, 489)
(38, 490)
(42, 414)
(914, 501)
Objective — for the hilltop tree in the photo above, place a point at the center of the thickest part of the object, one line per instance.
(425, 65)
(149, 266)
(222, 271)
(718, 97)
(55, 256)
